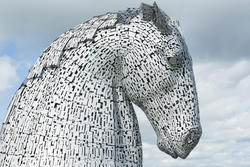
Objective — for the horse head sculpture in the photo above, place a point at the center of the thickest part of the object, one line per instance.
(162, 82)
(75, 106)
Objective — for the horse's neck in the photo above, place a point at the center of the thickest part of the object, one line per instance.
(73, 115)
(108, 126)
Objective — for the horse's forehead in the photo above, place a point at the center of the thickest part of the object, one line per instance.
(163, 45)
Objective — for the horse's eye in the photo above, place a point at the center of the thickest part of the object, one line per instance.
(174, 61)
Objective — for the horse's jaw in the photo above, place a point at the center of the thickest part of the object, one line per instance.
(178, 132)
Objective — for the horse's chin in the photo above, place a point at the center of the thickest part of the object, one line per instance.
(163, 146)
(170, 152)
(183, 155)
(174, 153)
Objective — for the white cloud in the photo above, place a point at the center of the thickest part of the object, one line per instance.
(8, 74)
(223, 90)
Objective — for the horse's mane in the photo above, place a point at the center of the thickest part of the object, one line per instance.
(52, 55)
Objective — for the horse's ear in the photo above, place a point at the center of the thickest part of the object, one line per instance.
(154, 14)
(147, 12)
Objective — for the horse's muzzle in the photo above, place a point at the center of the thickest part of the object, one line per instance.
(184, 146)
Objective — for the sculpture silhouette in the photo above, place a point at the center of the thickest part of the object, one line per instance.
(75, 106)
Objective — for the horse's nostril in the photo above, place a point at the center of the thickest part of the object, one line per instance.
(189, 139)
(192, 137)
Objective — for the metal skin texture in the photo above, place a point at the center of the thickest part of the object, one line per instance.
(75, 106)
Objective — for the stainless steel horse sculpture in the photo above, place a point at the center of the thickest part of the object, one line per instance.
(75, 106)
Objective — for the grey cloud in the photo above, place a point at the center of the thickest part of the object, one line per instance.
(219, 32)
(51, 17)
(214, 30)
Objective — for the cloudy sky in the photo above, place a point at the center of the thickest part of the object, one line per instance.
(217, 34)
